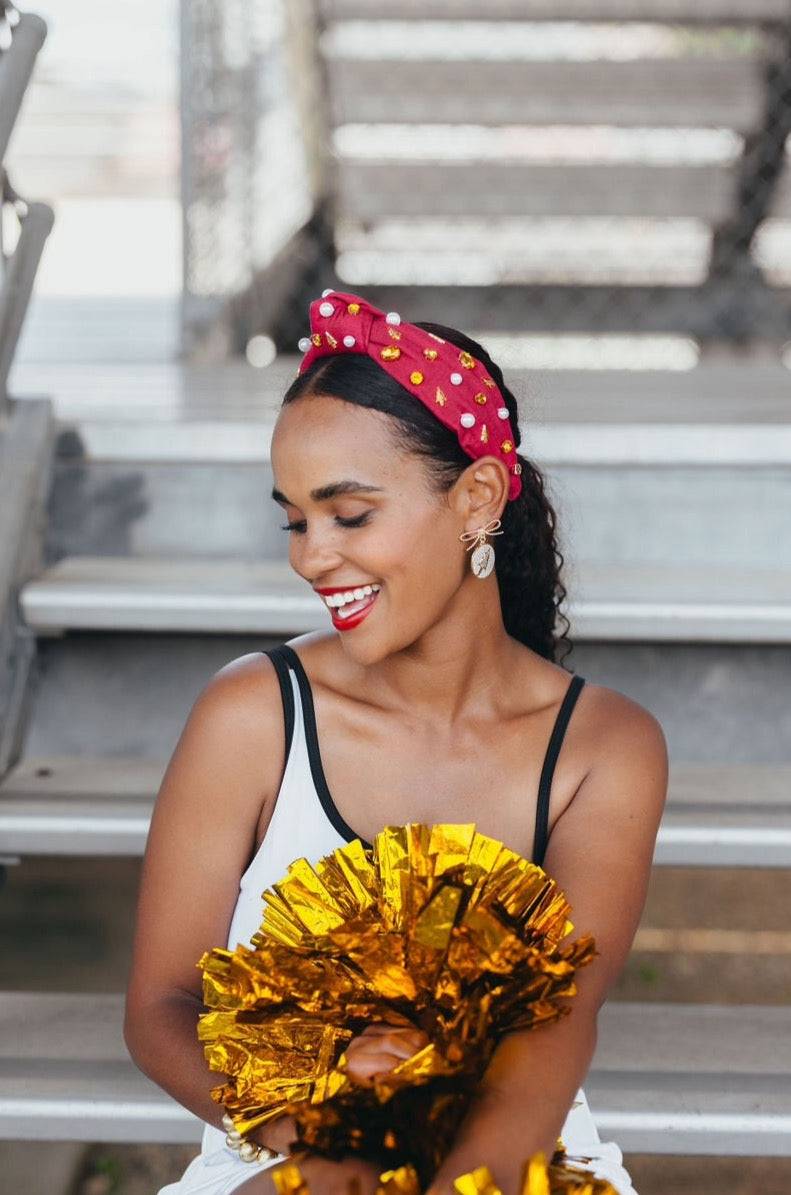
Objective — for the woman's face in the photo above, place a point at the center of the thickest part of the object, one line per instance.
(368, 531)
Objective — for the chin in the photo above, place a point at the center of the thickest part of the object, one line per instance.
(365, 650)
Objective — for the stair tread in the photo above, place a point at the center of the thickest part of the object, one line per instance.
(178, 393)
(64, 1067)
(715, 816)
(620, 601)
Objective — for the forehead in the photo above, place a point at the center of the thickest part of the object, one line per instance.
(320, 438)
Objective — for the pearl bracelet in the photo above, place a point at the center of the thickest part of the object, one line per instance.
(248, 1151)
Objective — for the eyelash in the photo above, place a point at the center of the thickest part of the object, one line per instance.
(358, 521)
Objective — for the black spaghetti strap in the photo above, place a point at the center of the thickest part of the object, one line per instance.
(277, 656)
(541, 834)
(314, 754)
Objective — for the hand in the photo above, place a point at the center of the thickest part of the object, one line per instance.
(279, 1135)
(323, 1176)
(380, 1048)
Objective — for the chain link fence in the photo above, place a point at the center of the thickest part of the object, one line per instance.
(585, 176)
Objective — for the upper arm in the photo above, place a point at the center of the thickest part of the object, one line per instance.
(601, 847)
(220, 785)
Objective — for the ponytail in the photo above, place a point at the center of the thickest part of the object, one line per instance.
(528, 565)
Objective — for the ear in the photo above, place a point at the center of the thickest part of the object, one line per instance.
(481, 492)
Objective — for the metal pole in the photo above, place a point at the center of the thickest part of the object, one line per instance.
(16, 67)
(186, 187)
(18, 281)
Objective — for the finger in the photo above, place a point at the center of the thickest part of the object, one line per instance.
(398, 1048)
(415, 1038)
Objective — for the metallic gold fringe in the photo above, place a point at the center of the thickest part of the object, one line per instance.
(538, 1179)
(438, 927)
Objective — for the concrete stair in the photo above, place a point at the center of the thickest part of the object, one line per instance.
(665, 1078)
(77, 805)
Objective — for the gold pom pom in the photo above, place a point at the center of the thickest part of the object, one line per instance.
(416, 377)
(437, 927)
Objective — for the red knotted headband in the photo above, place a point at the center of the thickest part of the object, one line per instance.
(449, 382)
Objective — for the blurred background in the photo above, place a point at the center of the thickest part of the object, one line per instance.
(588, 193)
(599, 191)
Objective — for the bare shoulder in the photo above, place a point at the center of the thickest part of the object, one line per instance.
(234, 739)
(620, 725)
(241, 697)
(622, 753)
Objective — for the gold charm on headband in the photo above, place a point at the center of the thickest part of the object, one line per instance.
(482, 559)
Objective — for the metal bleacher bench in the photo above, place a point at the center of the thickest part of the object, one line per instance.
(665, 1079)
(738, 816)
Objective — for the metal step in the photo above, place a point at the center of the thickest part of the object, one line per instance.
(146, 399)
(610, 603)
(712, 92)
(648, 467)
(715, 816)
(705, 11)
(666, 1078)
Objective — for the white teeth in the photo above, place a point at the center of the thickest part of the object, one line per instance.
(336, 600)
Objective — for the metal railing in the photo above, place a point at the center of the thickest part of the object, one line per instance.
(21, 38)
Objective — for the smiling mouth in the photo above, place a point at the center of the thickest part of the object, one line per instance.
(349, 607)
(343, 601)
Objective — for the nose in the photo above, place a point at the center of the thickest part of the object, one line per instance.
(315, 553)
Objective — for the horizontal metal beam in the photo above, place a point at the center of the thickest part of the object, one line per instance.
(703, 12)
(723, 309)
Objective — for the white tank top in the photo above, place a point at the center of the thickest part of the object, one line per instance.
(306, 824)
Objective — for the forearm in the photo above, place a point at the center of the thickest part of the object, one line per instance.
(162, 1038)
(523, 1101)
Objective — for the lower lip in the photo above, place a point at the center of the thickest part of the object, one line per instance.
(354, 620)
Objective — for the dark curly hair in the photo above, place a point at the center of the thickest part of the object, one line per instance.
(528, 561)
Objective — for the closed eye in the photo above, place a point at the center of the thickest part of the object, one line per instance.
(357, 521)
(299, 526)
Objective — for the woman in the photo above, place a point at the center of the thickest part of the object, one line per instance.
(435, 698)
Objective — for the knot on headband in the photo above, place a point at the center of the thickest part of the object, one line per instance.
(449, 382)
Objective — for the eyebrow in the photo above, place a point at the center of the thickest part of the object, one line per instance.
(337, 489)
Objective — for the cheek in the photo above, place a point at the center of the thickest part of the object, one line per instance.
(436, 555)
